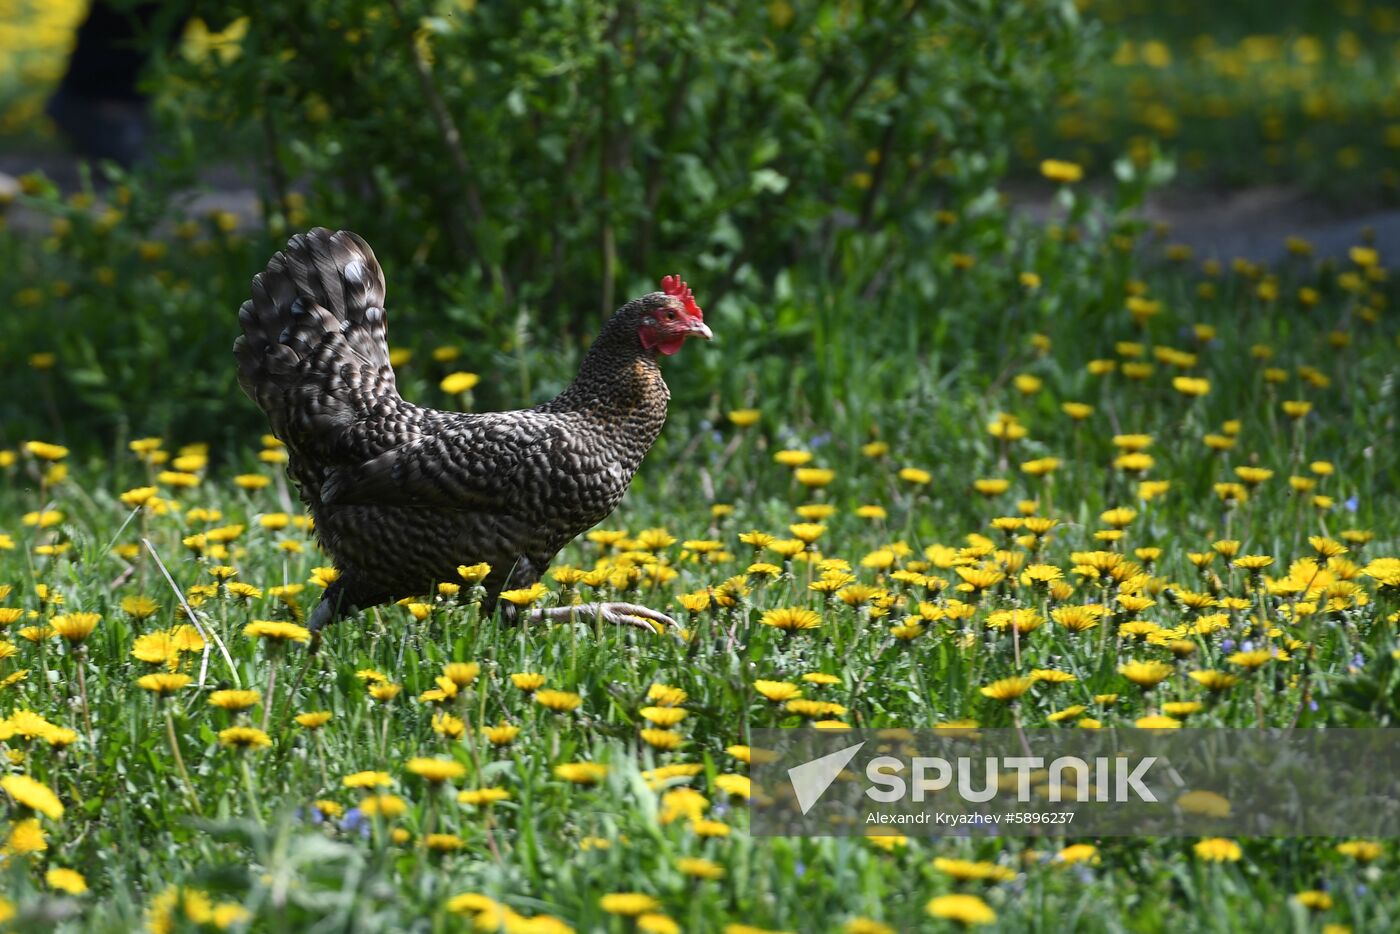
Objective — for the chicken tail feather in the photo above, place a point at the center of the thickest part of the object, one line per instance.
(314, 352)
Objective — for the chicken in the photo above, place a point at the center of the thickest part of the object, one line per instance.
(402, 494)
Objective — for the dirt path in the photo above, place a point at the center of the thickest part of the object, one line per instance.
(1251, 223)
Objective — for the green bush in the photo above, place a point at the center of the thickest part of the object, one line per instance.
(790, 159)
(558, 155)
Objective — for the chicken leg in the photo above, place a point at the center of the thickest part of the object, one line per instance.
(617, 614)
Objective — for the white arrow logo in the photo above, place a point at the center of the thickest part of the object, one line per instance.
(810, 780)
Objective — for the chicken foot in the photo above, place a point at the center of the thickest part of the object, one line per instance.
(617, 614)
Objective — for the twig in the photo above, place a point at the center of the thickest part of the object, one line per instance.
(877, 182)
(608, 150)
(452, 141)
(205, 634)
(655, 161)
(179, 759)
(111, 544)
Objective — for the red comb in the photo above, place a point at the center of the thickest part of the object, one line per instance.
(676, 288)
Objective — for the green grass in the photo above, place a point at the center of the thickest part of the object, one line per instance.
(119, 327)
(1298, 94)
(555, 848)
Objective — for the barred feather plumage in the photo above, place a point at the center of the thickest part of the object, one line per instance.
(403, 494)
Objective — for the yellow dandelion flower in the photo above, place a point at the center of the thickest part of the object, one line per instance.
(367, 780)
(790, 458)
(1068, 713)
(234, 700)
(1079, 853)
(461, 674)
(276, 632)
(815, 477)
(1191, 386)
(163, 685)
(1255, 658)
(966, 870)
(45, 519)
(1119, 518)
(791, 619)
(1204, 803)
(525, 596)
(44, 451)
(474, 573)
(665, 695)
(664, 717)
(457, 383)
(66, 880)
(1145, 673)
(662, 739)
(244, 737)
(558, 701)
(1061, 171)
(1007, 689)
(628, 904)
(1314, 900)
(527, 680)
(581, 773)
(384, 805)
(314, 719)
(699, 868)
(482, 797)
(812, 709)
(710, 828)
(34, 795)
(443, 842)
(1363, 851)
(777, 691)
(26, 836)
(1218, 850)
(740, 786)
(139, 496)
(75, 627)
(436, 771)
(324, 576)
(1180, 709)
(501, 735)
(1213, 680)
(967, 910)
(385, 691)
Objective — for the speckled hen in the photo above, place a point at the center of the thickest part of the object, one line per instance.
(404, 494)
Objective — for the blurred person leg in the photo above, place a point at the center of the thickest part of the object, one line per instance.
(99, 105)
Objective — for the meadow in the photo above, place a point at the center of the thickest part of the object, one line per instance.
(1297, 94)
(956, 467)
(1170, 513)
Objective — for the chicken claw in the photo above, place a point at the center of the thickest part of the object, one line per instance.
(617, 614)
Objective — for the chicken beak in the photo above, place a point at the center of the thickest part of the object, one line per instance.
(700, 329)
